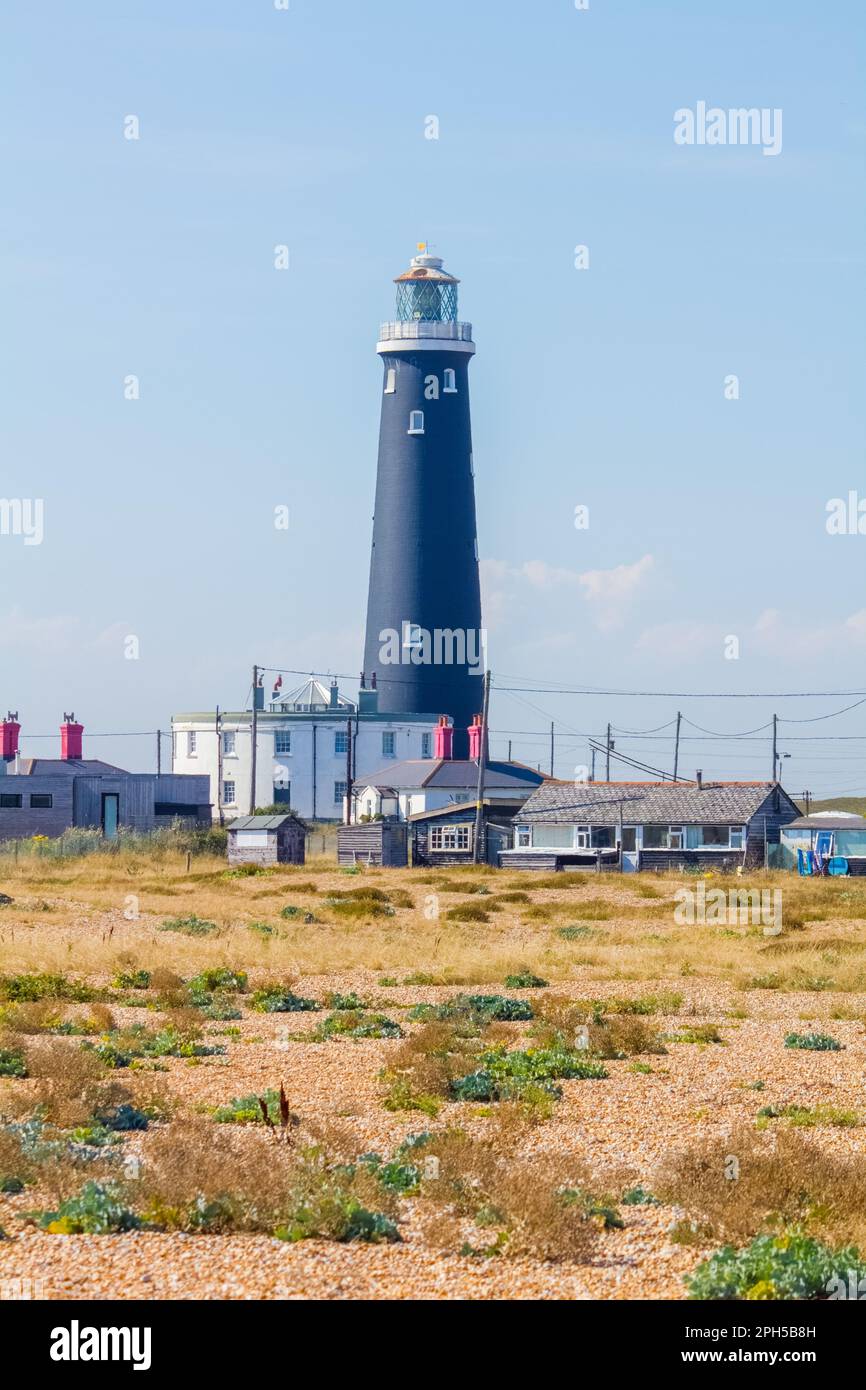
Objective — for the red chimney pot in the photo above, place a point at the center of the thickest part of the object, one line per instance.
(9, 731)
(443, 738)
(70, 738)
(475, 738)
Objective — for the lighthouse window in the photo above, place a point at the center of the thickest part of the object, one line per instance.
(416, 422)
(391, 381)
(450, 383)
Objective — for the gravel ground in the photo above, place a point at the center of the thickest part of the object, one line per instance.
(630, 1122)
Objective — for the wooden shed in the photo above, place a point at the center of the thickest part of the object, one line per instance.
(267, 840)
(447, 836)
(382, 842)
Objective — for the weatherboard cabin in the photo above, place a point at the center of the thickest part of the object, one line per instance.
(635, 826)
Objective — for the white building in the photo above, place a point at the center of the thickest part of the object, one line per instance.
(302, 748)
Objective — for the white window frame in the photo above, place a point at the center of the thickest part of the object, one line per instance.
(450, 838)
(581, 836)
(389, 744)
(414, 426)
(426, 745)
(390, 381)
(286, 736)
(230, 742)
(191, 750)
(229, 796)
(341, 742)
(523, 837)
(740, 832)
(449, 378)
(340, 791)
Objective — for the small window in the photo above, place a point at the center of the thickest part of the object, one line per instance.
(602, 837)
(10, 800)
(341, 742)
(229, 743)
(450, 381)
(676, 836)
(390, 381)
(416, 422)
(736, 837)
(41, 801)
(283, 741)
(581, 837)
(426, 745)
(445, 837)
(228, 793)
(190, 744)
(389, 745)
(340, 789)
(524, 837)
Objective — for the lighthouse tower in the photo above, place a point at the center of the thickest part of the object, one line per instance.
(424, 638)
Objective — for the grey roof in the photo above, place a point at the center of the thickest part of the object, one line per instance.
(649, 803)
(72, 767)
(833, 820)
(451, 773)
(262, 822)
(502, 807)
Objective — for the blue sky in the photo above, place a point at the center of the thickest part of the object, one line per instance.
(602, 387)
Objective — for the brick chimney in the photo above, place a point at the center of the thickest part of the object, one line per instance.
(9, 731)
(475, 738)
(443, 738)
(699, 778)
(70, 738)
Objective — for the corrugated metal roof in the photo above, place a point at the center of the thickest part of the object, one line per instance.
(262, 822)
(649, 803)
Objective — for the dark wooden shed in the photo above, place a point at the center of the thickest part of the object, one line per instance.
(381, 842)
(447, 836)
(267, 840)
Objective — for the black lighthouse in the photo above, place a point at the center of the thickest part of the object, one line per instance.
(424, 638)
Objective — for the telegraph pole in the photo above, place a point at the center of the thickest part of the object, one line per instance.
(219, 785)
(592, 773)
(479, 796)
(349, 770)
(807, 797)
(254, 735)
(775, 754)
(551, 747)
(607, 758)
(158, 753)
(677, 746)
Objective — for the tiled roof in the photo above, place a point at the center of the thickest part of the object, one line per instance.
(73, 767)
(649, 803)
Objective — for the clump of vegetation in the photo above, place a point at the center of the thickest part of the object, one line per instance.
(263, 929)
(29, 988)
(97, 1210)
(697, 1033)
(478, 1009)
(639, 1196)
(810, 1117)
(786, 1266)
(122, 1046)
(467, 912)
(504, 1075)
(249, 1110)
(189, 926)
(355, 1023)
(813, 1042)
(525, 979)
(280, 999)
(345, 1001)
(12, 1062)
(132, 979)
(298, 914)
(574, 933)
(220, 977)
(517, 896)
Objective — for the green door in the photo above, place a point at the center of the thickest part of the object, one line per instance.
(110, 814)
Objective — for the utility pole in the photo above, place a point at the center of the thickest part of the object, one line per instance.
(479, 795)
(219, 779)
(509, 750)
(158, 753)
(807, 797)
(775, 754)
(349, 770)
(551, 747)
(607, 758)
(254, 736)
(677, 746)
(592, 773)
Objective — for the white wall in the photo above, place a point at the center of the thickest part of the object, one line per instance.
(298, 765)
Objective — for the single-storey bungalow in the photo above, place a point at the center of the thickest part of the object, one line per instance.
(649, 825)
(447, 836)
(828, 834)
(45, 796)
